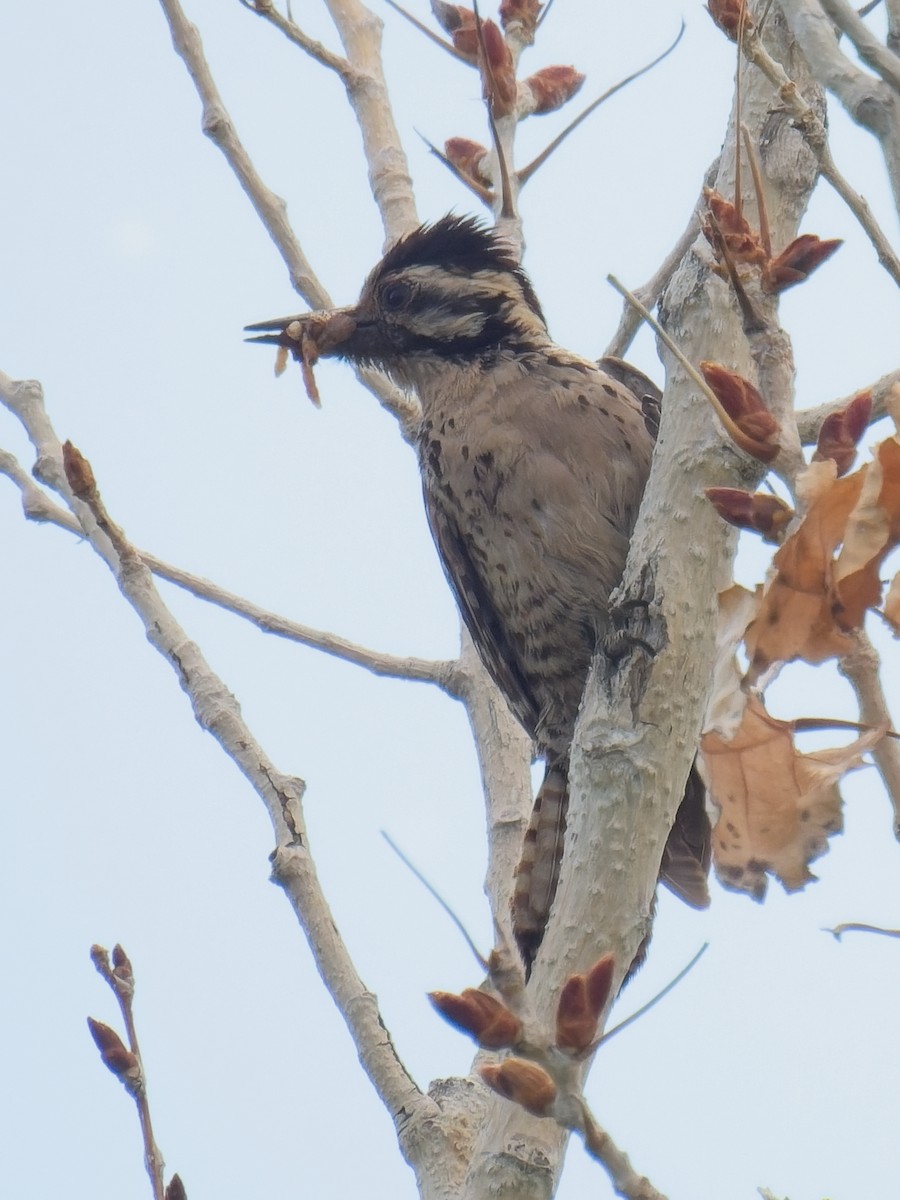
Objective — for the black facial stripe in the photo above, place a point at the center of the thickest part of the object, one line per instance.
(437, 300)
(493, 337)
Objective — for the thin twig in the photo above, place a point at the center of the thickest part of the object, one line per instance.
(861, 670)
(817, 139)
(673, 983)
(128, 1067)
(218, 126)
(727, 422)
(270, 208)
(543, 15)
(433, 892)
(217, 711)
(483, 193)
(751, 321)
(292, 31)
(738, 76)
(762, 210)
(507, 196)
(650, 292)
(860, 927)
(429, 33)
(872, 52)
(443, 673)
(526, 172)
(600, 1146)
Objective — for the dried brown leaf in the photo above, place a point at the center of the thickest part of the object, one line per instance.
(873, 530)
(777, 807)
(727, 701)
(891, 609)
(797, 613)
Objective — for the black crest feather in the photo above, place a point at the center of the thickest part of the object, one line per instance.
(465, 244)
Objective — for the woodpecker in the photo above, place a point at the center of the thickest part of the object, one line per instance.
(533, 462)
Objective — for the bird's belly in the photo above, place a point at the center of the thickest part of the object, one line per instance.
(551, 623)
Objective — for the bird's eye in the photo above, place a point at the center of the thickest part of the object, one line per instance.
(395, 296)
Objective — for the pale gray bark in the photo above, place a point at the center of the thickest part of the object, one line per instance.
(872, 100)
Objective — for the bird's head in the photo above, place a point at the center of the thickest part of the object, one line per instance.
(448, 293)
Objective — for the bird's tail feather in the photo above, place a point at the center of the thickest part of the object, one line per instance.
(684, 867)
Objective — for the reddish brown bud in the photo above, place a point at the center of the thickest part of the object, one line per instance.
(175, 1189)
(723, 219)
(122, 972)
(549, 89)
(580, 1004)
(727, 15)
(524, 1082)
(481, 1015)
(599, 982)
(760, 511)
(78, 471)
(752, 426)
(100, 959)
(451, 17)
(522, 12)
(469, 158)
(459, 22)
(498, 71)
(797, 261)
(840, 432)
(113, 1051)
(122, 962)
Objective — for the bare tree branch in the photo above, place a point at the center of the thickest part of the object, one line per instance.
(127, 1064)
(536, 163)
(334, 62)
(271, 209)
(218, 126)
(430, 34)
(861, 670)
(870, 102)
(626, 1181)
(860, 927)
(389, 178)
(893, 36)
(871, 51)
(650, 292)
(484, 194)
(445, 674)
(217, 711)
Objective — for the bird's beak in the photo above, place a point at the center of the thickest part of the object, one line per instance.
(309, 335)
